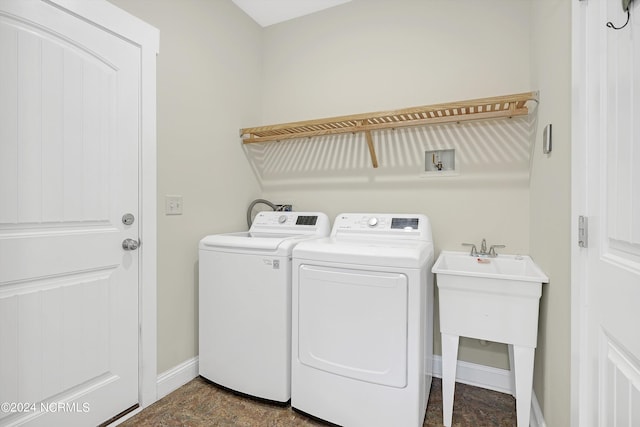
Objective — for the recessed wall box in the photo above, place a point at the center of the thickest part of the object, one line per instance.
(440, 160)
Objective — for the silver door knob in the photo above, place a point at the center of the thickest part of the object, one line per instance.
(130, 244)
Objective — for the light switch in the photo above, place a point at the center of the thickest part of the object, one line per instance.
(173, 205)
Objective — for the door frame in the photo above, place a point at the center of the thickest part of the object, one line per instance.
(147, 38)
(579, 159)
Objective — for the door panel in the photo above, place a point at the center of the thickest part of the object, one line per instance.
(608, 387)
(614, 270)
(56, 147)
(60, 334)
(69, 138)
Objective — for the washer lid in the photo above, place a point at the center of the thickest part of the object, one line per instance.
(246, 241)
(385, 253)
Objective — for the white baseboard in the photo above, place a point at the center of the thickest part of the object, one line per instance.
(177, 376)
(490, 378)
(478, 375)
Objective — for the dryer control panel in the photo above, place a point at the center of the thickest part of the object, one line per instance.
(381, 225)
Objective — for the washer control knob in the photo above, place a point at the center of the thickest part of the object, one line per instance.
(373, 221)
(282, 219)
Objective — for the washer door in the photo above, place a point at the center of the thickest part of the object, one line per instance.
(353, 323)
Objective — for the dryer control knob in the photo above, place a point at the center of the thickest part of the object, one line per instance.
(373, 221)
(282, 219)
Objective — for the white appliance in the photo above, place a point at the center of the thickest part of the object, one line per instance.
(362, 321)
(245, 303)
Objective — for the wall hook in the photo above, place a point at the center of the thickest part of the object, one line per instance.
(610, 24)
(625, 8)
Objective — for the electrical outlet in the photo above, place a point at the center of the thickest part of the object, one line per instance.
(173, 205)
(284, 208)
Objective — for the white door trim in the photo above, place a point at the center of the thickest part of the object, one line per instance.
(125, 25)
(578, 207)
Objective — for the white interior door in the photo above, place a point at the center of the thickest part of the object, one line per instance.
(607, 185)
(69, 141)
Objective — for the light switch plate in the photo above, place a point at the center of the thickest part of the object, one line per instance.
(173, 205)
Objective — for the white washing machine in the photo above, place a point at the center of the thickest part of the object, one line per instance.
(362, 321)
(245, 303)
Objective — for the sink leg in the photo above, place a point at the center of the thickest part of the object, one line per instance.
(512, 368)
(523, 358)
(449, 363)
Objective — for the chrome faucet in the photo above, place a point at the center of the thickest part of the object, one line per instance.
(483, 249)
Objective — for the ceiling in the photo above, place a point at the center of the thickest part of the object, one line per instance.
(269, 12)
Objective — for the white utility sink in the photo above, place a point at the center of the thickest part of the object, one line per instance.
(503, 267)
(494, 299)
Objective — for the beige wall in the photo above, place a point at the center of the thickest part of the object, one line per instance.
(370, 55)
(550, 223)
(208, 75)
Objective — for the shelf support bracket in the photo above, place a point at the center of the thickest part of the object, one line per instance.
(372, 150)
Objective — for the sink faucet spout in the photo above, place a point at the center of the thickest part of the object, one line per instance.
(483, 247)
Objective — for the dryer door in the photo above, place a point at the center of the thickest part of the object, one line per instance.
(354, 323)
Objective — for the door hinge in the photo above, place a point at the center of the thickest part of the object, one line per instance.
(583, 231)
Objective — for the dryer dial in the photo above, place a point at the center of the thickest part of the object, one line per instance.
(373, 221)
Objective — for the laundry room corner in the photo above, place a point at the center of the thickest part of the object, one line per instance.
(550, 207)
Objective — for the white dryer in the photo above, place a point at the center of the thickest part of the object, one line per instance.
(362, 321)
(245, 303)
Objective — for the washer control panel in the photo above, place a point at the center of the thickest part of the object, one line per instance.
(294, 222)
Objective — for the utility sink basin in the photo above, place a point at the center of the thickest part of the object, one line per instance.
(495, 299)
(519, 268)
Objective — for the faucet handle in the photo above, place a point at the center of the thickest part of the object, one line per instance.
(474, 251)
(492, 250)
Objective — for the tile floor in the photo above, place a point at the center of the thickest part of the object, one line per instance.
(200, 403)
